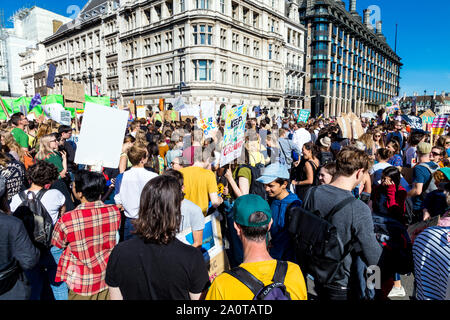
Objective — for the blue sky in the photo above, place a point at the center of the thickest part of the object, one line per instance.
(423, 36)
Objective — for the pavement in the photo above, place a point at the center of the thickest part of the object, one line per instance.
(407, 283)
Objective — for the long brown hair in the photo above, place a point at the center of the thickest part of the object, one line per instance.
(160, 210)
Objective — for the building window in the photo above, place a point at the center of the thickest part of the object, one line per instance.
(223, 72)
(202, 34)
(223, 38)
(157, 44)
(234, 10)
(245, 76)
(235, 42)
(235, 74)
(255, 19)
(222, 6)
(270, 80)
(181, 36)
(158, 75)
(246, 15)
(270, 51)
(256, 49)
(182, 6)
(202, 4)
(256, 78)
(148, 77)
(246, 46)
(169, 41)
(203, 70)
(169, 73)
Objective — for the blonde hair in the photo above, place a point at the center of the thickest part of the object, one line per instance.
(12, 144)
(379, 131)
(367, 139)
(141, 137)
(44, 146)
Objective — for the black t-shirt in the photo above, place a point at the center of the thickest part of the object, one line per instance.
(146, 271)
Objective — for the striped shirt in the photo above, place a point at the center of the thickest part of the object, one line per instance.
(431, 252)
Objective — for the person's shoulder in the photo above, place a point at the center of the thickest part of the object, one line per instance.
(189, 205)
(53, 193)
(10, 220)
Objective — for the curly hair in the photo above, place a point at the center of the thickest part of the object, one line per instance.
(42, 173)
(160, 210)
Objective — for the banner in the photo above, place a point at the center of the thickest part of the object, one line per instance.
(52, 106)
(234, 135)
(141, 112)
(178, 104)
(438, 126)
(51, 76)
(304, 116)
(101, 136)
(345, 126)
(413, 122)
(212, 246)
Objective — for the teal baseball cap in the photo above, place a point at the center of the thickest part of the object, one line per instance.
(246, 205)
(446, 172)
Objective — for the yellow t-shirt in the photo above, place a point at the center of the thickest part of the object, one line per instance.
(198, 184)
(227, 287)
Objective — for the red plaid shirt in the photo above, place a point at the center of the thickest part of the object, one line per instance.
(88, 234)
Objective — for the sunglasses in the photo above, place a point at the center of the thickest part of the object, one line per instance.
(435, 154)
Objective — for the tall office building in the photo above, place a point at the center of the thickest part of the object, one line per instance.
(349, 64)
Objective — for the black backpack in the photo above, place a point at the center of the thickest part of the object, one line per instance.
(325, 157)
(319, 249)
(255, 186)
(36, 218)
(274, 291)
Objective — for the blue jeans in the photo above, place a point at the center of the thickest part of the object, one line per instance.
(46, 270)
(128, 230)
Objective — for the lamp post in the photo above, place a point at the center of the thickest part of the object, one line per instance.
(181, 51)
(90, 77)
(26, 90)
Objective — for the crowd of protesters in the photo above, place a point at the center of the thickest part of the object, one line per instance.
(116, 234)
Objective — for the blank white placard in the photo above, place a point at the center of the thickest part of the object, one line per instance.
(101, 137)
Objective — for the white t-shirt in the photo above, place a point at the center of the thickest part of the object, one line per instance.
(133, 182)
(300, 137)
(52, 200)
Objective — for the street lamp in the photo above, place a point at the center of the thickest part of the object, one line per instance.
(90, 77)
(26, 91)
(181, 51)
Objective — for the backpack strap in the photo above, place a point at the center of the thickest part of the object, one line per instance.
(247, 278)
(40, 194)
(339, 207)
(280, 272)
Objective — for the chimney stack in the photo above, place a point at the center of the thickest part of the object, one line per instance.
(379, 27)
(366, 20)
(352, 5)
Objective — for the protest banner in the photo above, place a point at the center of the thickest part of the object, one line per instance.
(234, 134)
(101, 136)
(52, 106)
(178, 104)
(171, 115)
(438, 126)
(191, 111)
(213, 249)
(207, 121)
(413, 121)
(303, 115)
(66, 118)
(5, 115)
(73, 91)
(427, 119)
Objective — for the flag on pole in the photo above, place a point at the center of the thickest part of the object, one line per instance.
(35, 102)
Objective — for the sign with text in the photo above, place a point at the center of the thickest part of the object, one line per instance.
(234, 135)
(73, 91)
(141, 112)
(101, 136)
(66, 118)
(303, 116)
(438, 126)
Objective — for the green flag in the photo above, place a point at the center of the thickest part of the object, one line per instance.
(103, 101)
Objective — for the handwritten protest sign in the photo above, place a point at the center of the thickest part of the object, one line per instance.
(73, 91)
(207, 121)
(101, 136)
(234, 135)
(141, 112)
(303, 116)
(345, 126)
(212, 246)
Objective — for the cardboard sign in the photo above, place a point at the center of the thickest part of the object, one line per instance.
(212, 246)
(357, 129)
(303, 116)
(234, 136)
(345, 126)
(73, 91)
(101, 136)
(428, 116)
(170, 115)
(66, 118)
